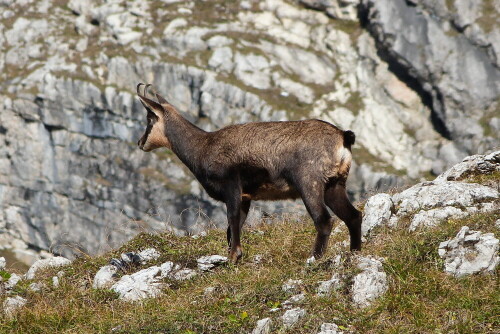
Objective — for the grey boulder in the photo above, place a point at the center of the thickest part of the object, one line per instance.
(470, 252)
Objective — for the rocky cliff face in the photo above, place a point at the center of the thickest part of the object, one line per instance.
(418, 85)
(448, 51)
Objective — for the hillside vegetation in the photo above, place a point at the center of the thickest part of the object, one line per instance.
(421, 297)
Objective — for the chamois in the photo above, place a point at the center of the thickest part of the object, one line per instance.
(261, 161)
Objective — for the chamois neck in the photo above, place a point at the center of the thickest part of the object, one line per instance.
(185, 138)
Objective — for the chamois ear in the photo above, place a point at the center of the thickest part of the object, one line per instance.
(149, 104)
(162, 100)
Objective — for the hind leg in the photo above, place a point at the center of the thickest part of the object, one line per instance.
(312, 194)
(337, 200)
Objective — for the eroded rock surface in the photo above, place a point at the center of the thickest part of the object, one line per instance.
(294, 300)
(330, 328)
(470, 252)
(105, 277)
(208, 262)
(12, 304)
(325, 288)
(433, 203)
(472, 165)
(378, 211)
(456, 70)
(291, 317)
(263, 326)
(142, 284)
(430, 203)
(371, 283)
(53, 262)
(292, 286)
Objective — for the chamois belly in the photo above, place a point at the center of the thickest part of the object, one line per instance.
(272, 191)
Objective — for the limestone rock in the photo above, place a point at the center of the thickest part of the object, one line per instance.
(219, 41)
(184, 274)
(378, 211)
(263, 326)
(222, 59)
(253, 70)
(168, 268)
(36, 286)
(436, 202)
(133, 258)
(422, 42)
(12, 281)
(433, 217)
(105, 277)
(55, 281)
(209, 262)
(325, 288)
(294, 300)
(371, 283)
(148, 254)
(475, 164)
(470, 252)
(330, 328)
(142, 284)
(12, 304)
(430, 203)
(339, 9)
(52, 262)
(427, 195)
(303, 93)
(292, 286)
(3, 263)
(291, 317)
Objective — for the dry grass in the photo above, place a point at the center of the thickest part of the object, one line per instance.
(421, 298)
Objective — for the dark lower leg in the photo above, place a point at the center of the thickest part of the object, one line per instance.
(313, 198)
(323, 235)
(228, 236)
(233, 219)
(245, 207)
(235, 251)
(337, 200)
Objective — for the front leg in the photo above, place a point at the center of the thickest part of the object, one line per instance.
(245, 207)
(236, 211)
(233, 219)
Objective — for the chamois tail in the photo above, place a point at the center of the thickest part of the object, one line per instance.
(349, 138)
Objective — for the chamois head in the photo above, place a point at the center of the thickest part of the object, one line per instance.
(154, 137)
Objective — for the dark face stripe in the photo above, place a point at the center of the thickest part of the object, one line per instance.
(145, 136)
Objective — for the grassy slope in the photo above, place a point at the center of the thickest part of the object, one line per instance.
(421, 298)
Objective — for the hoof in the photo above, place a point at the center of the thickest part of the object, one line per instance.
(235, 256)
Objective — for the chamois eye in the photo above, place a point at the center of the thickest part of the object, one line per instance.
(150, 118)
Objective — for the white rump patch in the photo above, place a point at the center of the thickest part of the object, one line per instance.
(345, 156)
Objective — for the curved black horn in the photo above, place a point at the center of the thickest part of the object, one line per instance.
(138, 88)
(146, 89)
